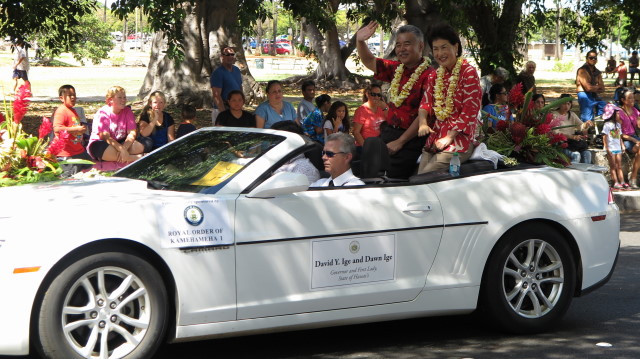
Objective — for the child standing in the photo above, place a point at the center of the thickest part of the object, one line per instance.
(188, 114)
(613, 145)
(622, 73)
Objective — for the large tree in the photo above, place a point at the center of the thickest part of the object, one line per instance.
(188, 46)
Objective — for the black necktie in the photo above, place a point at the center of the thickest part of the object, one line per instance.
(331, 184)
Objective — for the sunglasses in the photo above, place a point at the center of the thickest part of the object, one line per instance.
(502, 93)
(375, 94)
(228, 54)
(592, 57)
(331, 154)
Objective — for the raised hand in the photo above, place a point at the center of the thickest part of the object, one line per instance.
(366, 32)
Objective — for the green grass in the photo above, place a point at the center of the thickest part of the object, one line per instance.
(556, 82)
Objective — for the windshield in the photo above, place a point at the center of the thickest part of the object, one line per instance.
(202, 162)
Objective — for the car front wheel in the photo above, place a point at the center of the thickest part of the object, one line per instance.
(107, 305)
(530, 280)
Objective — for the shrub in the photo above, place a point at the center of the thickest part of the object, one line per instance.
(117, 61)
(562, 66)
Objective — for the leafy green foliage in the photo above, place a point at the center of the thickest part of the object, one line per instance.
(560, 66)
(93, 44)
(59, 19)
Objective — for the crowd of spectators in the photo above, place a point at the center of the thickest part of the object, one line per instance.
(429, 112)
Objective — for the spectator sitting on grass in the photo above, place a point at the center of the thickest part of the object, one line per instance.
(306, 106)
(65, 118)
(113, 135)
(312, 124)
(186, 127)
(235, 116)
(157, 127)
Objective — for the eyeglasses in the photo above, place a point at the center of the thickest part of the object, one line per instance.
(331, 154)
(375, 94)
(592, 57)
(228, 54)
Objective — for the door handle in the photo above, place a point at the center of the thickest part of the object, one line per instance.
(417, 207)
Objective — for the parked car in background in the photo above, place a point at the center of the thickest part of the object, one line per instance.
(205, 238)
(133, 44)
(282, 48)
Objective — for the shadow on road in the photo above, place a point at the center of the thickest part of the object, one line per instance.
(630, 222)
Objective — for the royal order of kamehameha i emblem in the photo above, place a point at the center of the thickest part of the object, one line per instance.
(354, 247)
(193, 215)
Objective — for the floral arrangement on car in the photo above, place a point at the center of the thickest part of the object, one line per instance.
(25, 158)
(529, 138)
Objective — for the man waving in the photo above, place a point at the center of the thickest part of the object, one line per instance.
(408, 78)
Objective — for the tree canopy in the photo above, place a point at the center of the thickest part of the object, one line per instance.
(60, 19)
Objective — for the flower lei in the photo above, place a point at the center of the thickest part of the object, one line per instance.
(443, 110)
(398, 95)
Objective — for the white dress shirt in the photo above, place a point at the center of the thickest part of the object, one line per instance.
(345, 179)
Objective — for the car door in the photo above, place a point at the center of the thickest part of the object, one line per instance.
(334, 248)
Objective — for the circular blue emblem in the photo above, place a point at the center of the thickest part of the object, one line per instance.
(193, 215)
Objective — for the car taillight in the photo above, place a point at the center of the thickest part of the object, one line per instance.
(611, 199)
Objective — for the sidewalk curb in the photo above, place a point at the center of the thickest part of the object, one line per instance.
(627, 201)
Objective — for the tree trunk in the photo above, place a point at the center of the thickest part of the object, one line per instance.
(422, 14)
(302, 38)
(558, 24)
(258, 50)
(496, 34)
(208, 27)
(331, 63)
(331, 60)
(272, 49)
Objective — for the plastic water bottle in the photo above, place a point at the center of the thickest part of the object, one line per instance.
(454, 165)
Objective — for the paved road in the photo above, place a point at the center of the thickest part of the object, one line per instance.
(603, 324)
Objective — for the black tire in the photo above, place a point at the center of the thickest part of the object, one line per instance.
(521, 294)
(131, 306)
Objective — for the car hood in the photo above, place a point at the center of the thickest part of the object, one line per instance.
(50, 195)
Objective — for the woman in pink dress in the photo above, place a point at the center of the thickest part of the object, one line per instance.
(369, 116)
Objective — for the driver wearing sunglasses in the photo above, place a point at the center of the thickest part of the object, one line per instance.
(337, 155)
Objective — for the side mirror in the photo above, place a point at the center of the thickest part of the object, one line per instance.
(280, 184)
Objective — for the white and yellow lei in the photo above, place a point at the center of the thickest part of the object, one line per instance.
(444, 108)
(397, 95)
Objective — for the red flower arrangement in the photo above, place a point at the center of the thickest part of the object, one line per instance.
(58, 143)
(21, 103)
(516, 98)
(529, 138)
(45, 128)
(24, 158)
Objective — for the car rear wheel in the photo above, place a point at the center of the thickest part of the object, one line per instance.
(530, 280)
(107, 305)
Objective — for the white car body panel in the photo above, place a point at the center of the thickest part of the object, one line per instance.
(442, 234)
(289, 261)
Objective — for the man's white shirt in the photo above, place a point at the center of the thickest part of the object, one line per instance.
(345, 179)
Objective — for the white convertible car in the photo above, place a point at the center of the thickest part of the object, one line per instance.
(200, 240)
